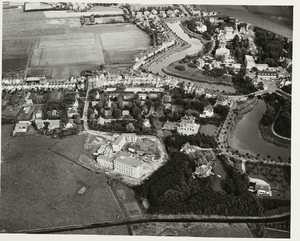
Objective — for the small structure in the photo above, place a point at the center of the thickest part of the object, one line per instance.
(125, 113)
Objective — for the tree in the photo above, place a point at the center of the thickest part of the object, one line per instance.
(130, 127)
(116, 113)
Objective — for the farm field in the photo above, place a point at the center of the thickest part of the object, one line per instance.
(223, 230)
(61, 48)
(40, 188)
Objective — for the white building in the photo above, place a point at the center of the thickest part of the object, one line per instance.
(223, 52)
(208, 112)
(129, 166)
(249, 61)
(105, 162)
(187, 126)
(118, 144)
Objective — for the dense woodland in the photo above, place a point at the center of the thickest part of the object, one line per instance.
(243, 84)
(173, 190)
(271, 47)
(282, 125)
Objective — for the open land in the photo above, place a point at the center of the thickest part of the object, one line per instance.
(60, 48)
(196, 74)
(192, 229)
(275, 176)
(40, 188)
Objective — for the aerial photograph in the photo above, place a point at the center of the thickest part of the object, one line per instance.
(146, 119)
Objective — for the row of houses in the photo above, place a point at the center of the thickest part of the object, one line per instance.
(127, 80)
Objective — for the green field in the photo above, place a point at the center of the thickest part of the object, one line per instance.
(61, 48)
(196, 74)
(40, 188)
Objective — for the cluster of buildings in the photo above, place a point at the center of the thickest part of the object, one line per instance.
(265, 72)
(110, 157)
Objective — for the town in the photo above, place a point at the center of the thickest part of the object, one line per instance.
(203, 104)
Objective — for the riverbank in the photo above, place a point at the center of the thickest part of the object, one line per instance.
(191, 73)
(269, 136)
(160, 58)
(193, 35)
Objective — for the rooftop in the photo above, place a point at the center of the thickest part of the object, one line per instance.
(128, 160)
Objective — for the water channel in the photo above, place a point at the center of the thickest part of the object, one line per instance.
(196, 46)
(246, 136)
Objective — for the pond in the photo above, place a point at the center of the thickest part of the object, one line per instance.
(246, 136)
(195, 47)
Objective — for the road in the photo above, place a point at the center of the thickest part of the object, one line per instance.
(164, 218)
(85, 109)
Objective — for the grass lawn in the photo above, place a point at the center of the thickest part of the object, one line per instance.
(223, 230)
(40, 188)
(219, 170)
(196, 74)
(210, 130)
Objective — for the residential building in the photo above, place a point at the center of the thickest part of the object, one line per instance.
(201, 28)
(249, 61)
(118, 144)
(129, 166)
(187, 126)
(204, 170)
(105, 162)
(22, 126)
(261, 67)
(223, 52)
(125, 113)
(187, 148)
(200, 62)
(208, 112)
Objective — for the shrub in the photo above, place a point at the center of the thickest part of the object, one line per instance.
(192, 65)
(180, 67)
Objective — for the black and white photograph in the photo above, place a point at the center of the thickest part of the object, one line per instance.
(147, 119)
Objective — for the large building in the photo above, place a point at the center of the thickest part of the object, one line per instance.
(129, 166)
(187, 126)
(118, 144)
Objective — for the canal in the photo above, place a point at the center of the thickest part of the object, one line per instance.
(195, 47)
(246, 136)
